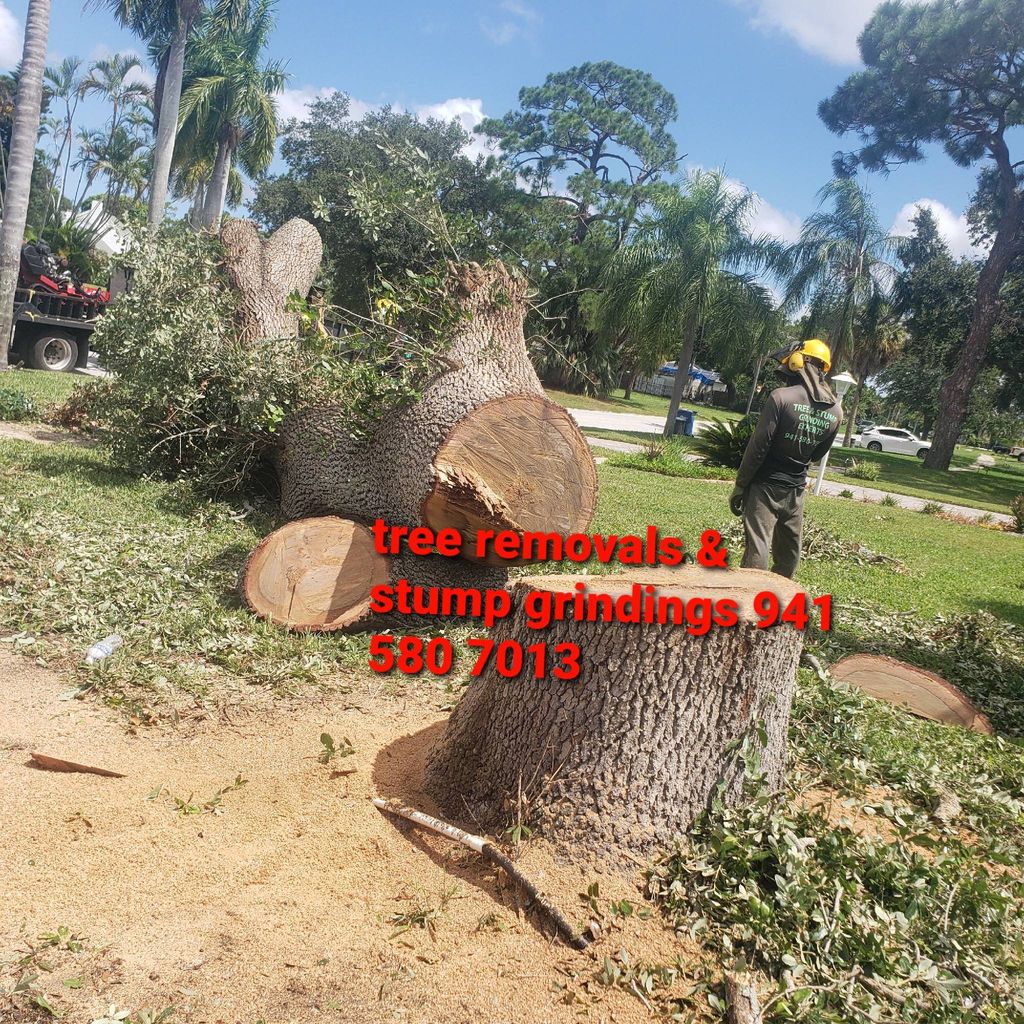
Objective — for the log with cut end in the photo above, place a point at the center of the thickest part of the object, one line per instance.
(481, 448)
(624, 758)
(314, 574)
(318, 573)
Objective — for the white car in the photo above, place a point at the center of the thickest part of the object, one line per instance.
(892, 439)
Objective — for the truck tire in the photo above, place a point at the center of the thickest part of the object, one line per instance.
(54, 350)
(1020, 458)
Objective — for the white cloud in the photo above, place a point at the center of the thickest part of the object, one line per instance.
(468, 112)
(296, 102)
(513, 20)
(765, 219)
(953, 228)
(770, 220)
(827, 28)
(12, 39)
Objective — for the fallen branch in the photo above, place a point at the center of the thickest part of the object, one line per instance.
(492, 854)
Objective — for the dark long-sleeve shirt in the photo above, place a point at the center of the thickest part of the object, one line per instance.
(792, 432)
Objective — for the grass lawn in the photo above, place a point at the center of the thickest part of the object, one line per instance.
(44, 388)
(950, 568)
(86, 550)
(652, 405)
(991, 489)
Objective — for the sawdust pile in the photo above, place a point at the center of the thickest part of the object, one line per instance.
(289, 897)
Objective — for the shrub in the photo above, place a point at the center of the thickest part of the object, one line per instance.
(188, 400)
(15, 405)
(1017, 511)
(890, 501)
(665, 456)
(846, 493)
(931, 508)
(723, 443)
(864, 470)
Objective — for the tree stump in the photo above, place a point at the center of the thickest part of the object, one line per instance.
(624, 758)
(314, 574)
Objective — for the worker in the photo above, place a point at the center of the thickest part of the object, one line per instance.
(797, 427)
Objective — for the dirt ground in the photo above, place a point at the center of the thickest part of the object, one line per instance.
(279, 903)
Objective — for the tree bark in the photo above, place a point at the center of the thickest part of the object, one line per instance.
(167, 125)
(217, 190)
(682, 377)
(24, 133)
(265, 272)
(851, 417)
(482, 448)
(623, 759)
(956, 391)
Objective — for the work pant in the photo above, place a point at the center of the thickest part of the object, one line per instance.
(773, 518)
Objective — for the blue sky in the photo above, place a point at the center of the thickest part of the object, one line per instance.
(747, 75)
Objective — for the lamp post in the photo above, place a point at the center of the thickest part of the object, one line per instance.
(842, 382)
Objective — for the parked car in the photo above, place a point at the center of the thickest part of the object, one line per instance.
(999, 449)
(861, 425)
(1017, 452)
(892, 439)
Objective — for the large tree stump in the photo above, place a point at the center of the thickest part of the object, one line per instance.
(267, 271)
(624, 758)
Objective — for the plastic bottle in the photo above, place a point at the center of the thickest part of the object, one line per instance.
(103, 649)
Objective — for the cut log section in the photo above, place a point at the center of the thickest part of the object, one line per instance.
(625, 757)
(517, 463)
(918, 691)
(480, 449)
(314, 574)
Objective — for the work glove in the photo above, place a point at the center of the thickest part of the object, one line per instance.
(736, 501)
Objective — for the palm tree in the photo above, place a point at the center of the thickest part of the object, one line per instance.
(227, 108)
(27, 106)
(686, 272)
(111, 78)
(879, 337)
(172, 20)
(65, 85)
(844, 254)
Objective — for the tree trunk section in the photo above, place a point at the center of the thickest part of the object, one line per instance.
(682, 379)
(956, 391)
(167, 128)
(314, 574)
(482, 448)
(216, 193)
(24, 132)
(624, 758)
(265, 272)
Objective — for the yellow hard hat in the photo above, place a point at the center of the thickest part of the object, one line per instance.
(813, 348)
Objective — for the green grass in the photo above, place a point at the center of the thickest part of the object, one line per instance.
(45, 389)
(950, 568)
(86, 550)
(651, 405)
(991, 489)
(632, 436)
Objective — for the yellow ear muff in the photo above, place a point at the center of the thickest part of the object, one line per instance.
(796, 361)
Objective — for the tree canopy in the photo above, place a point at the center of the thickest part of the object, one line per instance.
(949, 72)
